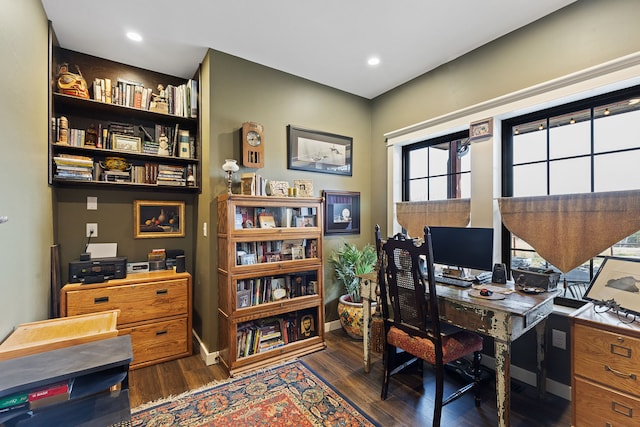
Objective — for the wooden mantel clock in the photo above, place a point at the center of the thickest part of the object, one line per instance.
(252, 137)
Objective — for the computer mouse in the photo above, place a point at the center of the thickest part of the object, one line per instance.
(486, 292)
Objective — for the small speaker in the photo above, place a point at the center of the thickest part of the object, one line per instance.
(499, 274)
(180, 264)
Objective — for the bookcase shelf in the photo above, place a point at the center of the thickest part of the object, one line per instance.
(270, 275)
(140, 131)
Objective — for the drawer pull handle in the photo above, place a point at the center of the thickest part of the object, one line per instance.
(620, 374)
(100, 300)
(162, 292)
(622, 409)
(619, 350)
(161, 332)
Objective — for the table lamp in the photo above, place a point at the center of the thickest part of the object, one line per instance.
(230, 166)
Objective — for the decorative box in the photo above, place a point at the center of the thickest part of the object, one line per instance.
(536, 277)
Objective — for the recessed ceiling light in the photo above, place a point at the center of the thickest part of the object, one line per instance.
(134, 36)
(634, 101)
(373, 61)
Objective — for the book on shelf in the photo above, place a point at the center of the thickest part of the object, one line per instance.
(12, 401)
(184, 148)
(49, 395)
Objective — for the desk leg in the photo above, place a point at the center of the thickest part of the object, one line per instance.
(366, 339)
(503, 382)
(541, 371)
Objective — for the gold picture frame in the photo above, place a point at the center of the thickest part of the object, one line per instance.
(158, 219)
(126, 143)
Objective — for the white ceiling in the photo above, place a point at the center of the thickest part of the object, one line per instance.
(326, 41)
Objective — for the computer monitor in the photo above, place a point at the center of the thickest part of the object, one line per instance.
(464, 247)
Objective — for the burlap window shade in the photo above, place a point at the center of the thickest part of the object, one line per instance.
(569, 229)
(413, 216)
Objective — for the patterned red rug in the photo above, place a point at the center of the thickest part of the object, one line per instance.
(287, 395)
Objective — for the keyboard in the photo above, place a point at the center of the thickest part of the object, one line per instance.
(447, 280)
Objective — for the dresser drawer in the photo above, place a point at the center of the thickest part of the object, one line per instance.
(159, 340)
(608, 358)
(137, 302)
(597, 405)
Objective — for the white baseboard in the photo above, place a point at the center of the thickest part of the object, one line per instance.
(208, 358)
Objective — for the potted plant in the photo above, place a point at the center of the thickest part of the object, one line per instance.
(349, 262)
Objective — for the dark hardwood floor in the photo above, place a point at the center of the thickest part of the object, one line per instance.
(341, 365)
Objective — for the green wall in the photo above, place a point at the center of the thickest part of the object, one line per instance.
(244, 91)
(24, 196)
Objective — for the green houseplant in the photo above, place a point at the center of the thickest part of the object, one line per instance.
(348, 262)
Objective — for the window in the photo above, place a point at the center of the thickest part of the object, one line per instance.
(437, 169)
(587, 146)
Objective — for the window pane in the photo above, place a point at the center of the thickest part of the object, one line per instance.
(618, 129)
(417, 163)
(617, 171)
(570, 135)
(418, 190)
(530, 146)
(438, 159)
(628, 247)
(570, 176)
(530, 180)
(465, 186)
(438, 188)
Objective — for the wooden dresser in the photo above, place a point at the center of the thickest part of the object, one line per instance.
(155, 309)
(605, 383)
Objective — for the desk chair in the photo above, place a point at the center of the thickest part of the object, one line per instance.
(412, 323)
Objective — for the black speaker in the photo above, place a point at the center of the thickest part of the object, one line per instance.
(180, 264)
(499, 274)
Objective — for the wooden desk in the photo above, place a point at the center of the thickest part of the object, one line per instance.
(503, 320)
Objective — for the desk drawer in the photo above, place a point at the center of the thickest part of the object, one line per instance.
(158, 340)
(137, 302)
(600, 406)
(607, 358)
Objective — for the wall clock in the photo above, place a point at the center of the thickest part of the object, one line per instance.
(252, 137)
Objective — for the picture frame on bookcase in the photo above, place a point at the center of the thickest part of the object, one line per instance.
(158, 219)
(306, 320)
(243, 298)
(127, 143)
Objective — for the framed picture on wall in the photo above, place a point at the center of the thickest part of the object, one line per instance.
(316, 151)
(342, 212)
(158, 219)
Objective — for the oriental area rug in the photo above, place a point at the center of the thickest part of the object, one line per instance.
(287, 395)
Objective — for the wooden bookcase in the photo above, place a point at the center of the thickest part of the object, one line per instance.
(82, 114)
(270, 279)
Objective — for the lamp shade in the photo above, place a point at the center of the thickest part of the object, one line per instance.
(230, 165)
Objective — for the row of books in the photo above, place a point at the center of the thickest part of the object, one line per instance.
(253, 184)
(260, 290)
(34, 399)
(268, 334)
(166, 141)
(73, 167)
(181, 100)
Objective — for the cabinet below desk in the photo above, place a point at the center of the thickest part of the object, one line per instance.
(155, 309)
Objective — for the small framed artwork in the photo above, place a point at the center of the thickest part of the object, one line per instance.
(158, 219)
(316, 151)
(342, 212)
(127, 143)
(297, 252)
(305, 221)
(304, 187)
(243, 298)
(306, 324)
(248, 259)
(266, 220)
(279, 188)
(617, 282)
(481, 129)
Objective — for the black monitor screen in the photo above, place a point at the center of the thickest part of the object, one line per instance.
(465, 247)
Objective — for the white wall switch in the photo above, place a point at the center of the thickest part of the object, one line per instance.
(92, 203)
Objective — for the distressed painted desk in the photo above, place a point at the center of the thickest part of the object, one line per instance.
(503, 320)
